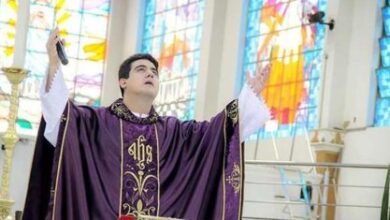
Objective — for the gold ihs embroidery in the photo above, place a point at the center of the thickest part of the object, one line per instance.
(141, 152)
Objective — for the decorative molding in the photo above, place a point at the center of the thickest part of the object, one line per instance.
(328, 137)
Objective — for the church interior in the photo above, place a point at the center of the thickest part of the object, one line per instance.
(325, 154)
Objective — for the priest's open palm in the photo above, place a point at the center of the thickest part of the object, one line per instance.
(258, 82)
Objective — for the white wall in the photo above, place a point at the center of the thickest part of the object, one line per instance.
(363, 59)
(370, 146)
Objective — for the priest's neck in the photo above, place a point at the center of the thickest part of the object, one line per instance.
(139, 104)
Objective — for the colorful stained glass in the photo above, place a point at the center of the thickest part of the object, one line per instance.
(83, 25)
(278, 33)
(8, 16)
(172, 33)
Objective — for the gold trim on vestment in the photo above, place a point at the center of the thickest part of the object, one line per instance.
(121, 174)
(236, 177)
(60, 161)
(241, 168)
(158, 171)
(223, 165)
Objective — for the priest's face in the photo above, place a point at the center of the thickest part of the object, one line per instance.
(142, 81)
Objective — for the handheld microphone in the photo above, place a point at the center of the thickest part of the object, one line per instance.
(61, 53)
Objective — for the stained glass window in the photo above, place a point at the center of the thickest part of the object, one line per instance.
(83, 25)
(8, 15)
(278, 33)
(382, 112)
(172, 33)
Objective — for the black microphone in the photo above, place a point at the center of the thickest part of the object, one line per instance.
(61, 53)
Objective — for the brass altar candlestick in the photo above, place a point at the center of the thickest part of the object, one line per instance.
(10, 138)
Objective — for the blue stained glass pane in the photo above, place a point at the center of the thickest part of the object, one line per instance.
(386, 20)
(314, 92)
(253, 23)
(299, 128)
(150, 6)
(313, 68)
(284, 131)
(146, 46)
(383, 78)
(313, 118)
(385, 51)
(322, 5)
(264, 134)
(382, 111)
(149, 26)
(255, 4)
(382, 114)
(251, 49)
(320, 37)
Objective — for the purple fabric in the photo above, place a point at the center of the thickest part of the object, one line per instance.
(190, 170)
(140, 182)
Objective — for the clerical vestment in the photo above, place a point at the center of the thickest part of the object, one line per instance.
(109, 163)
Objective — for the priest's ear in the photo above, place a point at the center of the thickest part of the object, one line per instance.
(122, 84)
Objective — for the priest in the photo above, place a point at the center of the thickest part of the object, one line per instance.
(127, 160)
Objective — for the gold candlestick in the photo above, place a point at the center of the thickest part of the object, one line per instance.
(10, 138)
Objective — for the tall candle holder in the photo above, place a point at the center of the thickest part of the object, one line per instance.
(15, 76)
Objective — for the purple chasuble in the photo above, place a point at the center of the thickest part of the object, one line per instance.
(109, 163)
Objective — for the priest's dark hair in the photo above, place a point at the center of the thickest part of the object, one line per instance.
(124, 69)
